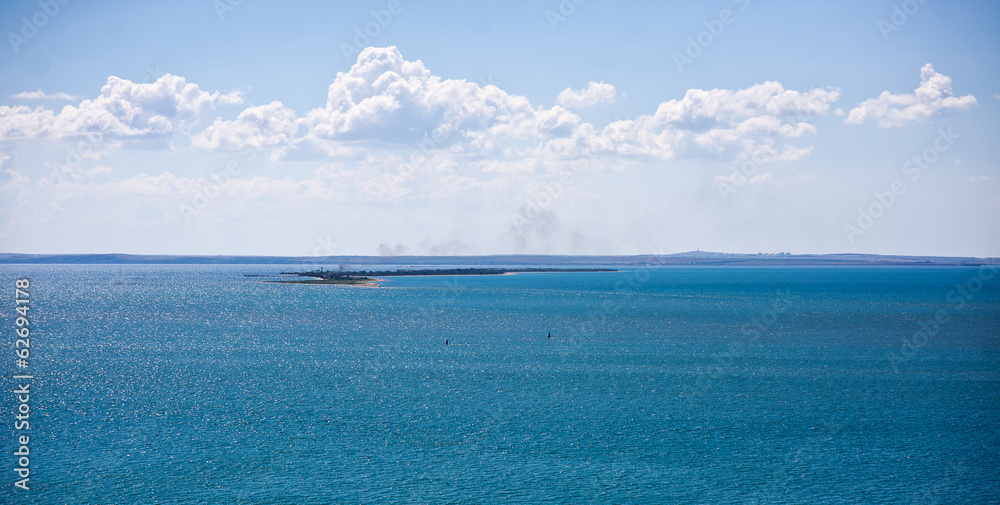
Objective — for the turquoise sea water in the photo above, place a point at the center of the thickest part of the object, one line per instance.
(195, 384)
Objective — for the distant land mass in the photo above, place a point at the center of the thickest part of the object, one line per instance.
(694, 258)
(369, 277)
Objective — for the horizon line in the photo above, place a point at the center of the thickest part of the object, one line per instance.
(22, 258)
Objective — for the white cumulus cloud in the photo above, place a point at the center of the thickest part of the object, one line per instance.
(388, 98)
(386, 102)
(721, 123)
(385, 105)
(124, 109)
(595, 93)
(256, 127)
(891, 110)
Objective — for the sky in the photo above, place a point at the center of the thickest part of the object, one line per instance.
(465, 128)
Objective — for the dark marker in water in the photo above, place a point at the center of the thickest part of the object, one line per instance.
(550, 335)
(445, 341)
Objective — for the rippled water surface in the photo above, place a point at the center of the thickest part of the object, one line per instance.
(196, 384)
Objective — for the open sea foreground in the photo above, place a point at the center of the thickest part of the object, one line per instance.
(161, 384)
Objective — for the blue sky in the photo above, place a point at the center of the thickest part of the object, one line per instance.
(580, 127)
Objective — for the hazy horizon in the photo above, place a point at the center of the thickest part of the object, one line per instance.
(682, 254)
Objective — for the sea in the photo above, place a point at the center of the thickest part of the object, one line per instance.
(176, 384)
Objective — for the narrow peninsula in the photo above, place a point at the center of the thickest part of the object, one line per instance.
(371, 277)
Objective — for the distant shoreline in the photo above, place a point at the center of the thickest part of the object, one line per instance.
(693, 258)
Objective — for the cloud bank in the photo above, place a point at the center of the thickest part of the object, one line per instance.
(124, 109)
(385, 102)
